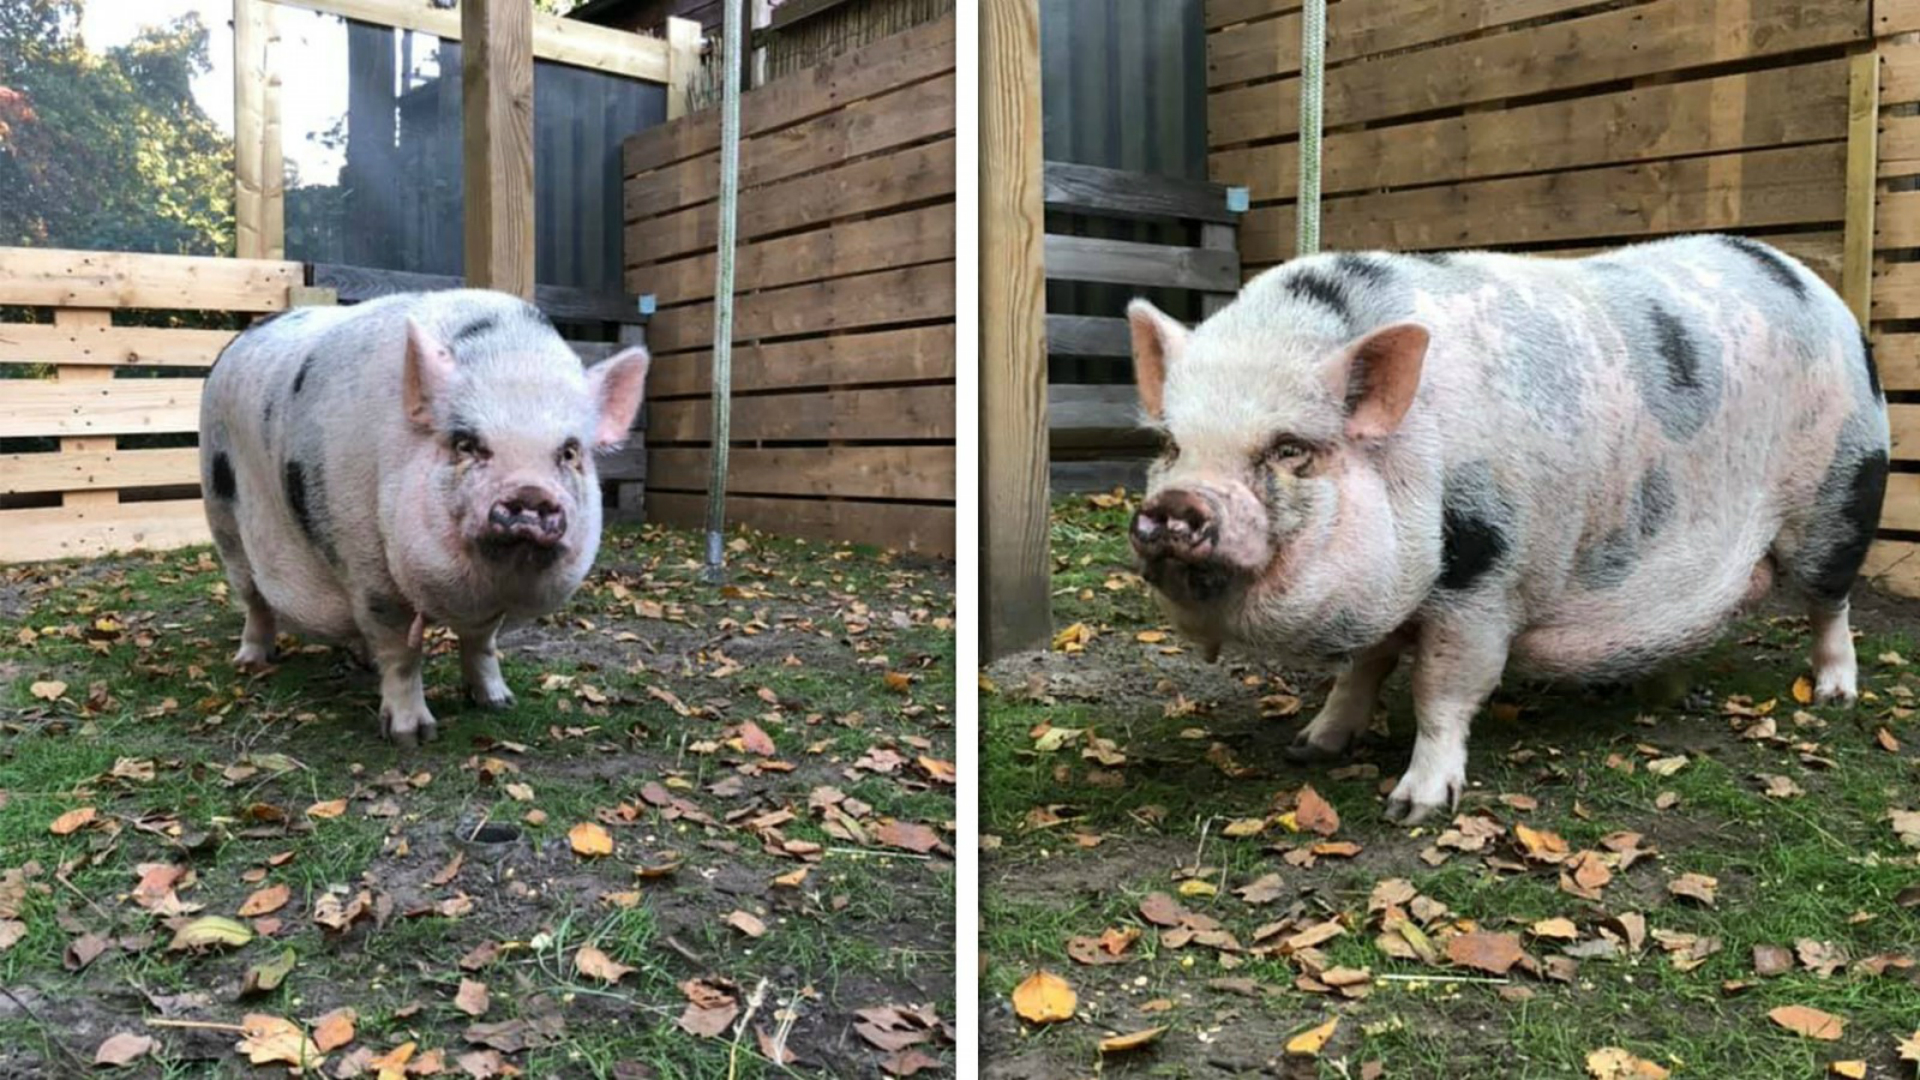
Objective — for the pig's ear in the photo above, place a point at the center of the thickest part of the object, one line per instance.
(1377, 377)
(617, 384)
(1157, 341)
(429, 369)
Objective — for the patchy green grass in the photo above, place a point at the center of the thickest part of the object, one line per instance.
(1075, 844)
(117, 697)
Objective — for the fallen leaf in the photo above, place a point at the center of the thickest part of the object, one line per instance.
(72, 820)
(1559, 929)
(1695, 887)
(1310, 1042)
(1809, 1022)
(590, 840)
(1803, 690)
(1315, 814)
(1851, 1070)
(267, 975)
(210, 930)
(1044, 998)
(473, 998)
(747, 923)
(1116, 1044)
(755, 740)
(1771, 960)
(265, 902)
(334, 1030)
(908, 1062)
(1909, 1048)
(595, 964)
(1484, 951)
(269, 1040)
(124, 1049)
(907, 835)
(1613, 1063)
(332, 808)
(47, 690)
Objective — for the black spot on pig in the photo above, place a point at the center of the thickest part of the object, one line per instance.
(1370, 270)
(1676, 348)
(1315, 287)
(477, 328)
(1873, 371)
(1476, 522)
(266, 418)
(1437, 258)
(1653, 501)
(1849, 502)
(1771, 262)
(306, 498)
(300, 377)
(1607, 562)
(223, 485)
(1679, 381)
(539, 316)
(389, 611)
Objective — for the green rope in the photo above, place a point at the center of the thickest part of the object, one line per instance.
(1313, 76)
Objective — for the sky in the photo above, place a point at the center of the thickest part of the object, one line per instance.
(311, 60)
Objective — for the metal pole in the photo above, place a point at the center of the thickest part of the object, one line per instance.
(1313, 75)
(722, 426)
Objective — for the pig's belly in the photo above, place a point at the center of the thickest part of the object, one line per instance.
(306, 596)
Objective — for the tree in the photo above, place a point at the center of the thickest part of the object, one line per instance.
(108, 152)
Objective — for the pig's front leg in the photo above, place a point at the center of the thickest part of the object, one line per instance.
(1349, 705)
(398, 654)
(480, 663)
(256, 639)
(1457, 667)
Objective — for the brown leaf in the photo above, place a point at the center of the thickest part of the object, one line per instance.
(1484, 951)
(266, 901)
(756, 741)
(1310, 1042)
(747, 923)
(1315, 814)
(1044, 998)
(1809, 1022)
(332, 808)
(473, 998)
(1262, 890)
(595, 964)
(1117, 1044)
(708, 1023)
(1539, 843)
(73, 820)
(1771, 960)
(908, 1062)
(907, 835)
(1698, 887)
(1162, 910)
(1821, 957)
(1613, 1063)
(334, 1030)
(124, 1048)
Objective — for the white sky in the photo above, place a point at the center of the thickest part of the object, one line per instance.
(311, 60)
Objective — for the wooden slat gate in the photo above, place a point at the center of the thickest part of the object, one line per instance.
(1094, 430)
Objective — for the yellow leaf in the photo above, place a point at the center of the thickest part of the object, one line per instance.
(268, 1040)
(1195, 887)
(210, 930)
(1803, 690)
(49, 690)
(1149, 637)
(1116, 1044)
(1245, 827)
(1310, 1042)
(590, 839)
(1045, 998)
(1852, 1070)
(1613, 1063)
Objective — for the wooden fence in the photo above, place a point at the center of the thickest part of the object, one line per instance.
(101, 457)
(843, 364)
(1562, 126)
(1093, 416)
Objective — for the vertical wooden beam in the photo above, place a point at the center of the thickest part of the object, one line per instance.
(1863, 163)
(683, 63)
(259, 175)
(496, 86)
(76, 321)
(1014, 560)
(1216, 236)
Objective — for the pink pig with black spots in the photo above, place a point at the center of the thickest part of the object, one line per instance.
(1570, 468)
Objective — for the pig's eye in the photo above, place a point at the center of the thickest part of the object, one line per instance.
(1288, 452)
(570, 453)
(465, 444)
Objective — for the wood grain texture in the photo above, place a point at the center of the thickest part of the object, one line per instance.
(1898, 357)
(851, 247)
(92, 531)
(683, 64)
(1899, 72)
(1904, 420)
(97, 470)
(890, 413)
(870, 472)
(1862, 181)
(1894, 565)
(496, 87)
(112, 346)
(915, 294)
(1125, 194)
(1014, 561)
(916, 527)
(847, 360)
(38, 407)
(566, 41)
(1128, 262)
(259, 173)
(55, 277)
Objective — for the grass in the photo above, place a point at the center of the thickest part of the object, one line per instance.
(1824, 867)
(186, 762)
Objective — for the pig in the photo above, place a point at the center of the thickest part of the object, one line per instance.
(1568, 468)
(423, 457)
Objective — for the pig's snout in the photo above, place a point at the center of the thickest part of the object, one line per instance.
(1179, 525)
(530, 516)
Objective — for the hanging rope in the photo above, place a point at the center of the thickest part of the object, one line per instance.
(722, 426)
(1313, 76)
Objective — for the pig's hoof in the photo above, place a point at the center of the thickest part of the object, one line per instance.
(1836, 688)
(495, 698)
(1416, 799)
(407, 729)
(1304, 751)
(253, 659)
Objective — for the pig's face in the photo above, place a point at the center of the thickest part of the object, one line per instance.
(509, 444)
(1267, 514)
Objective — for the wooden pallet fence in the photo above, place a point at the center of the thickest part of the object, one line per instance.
(1446, 129)
(1891, 185)
(1095, 438)
(843, 362)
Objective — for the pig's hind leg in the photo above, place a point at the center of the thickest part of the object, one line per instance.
(1457, 667)
(480, 664)
(1349, 705)
(1821, 553)
(257, 637)
(387, 623)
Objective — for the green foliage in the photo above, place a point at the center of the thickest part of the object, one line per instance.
(108, 151)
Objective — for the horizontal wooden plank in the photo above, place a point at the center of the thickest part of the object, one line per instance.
(129, 346)
(898, 412)
(627, 463)
(562, 40)
(1081, 477)
(1358, 28)
(871, 185)
(1899, 149)
(1221, 13)
(1088, 335)
(1895, 17)
(39, 407)
(914, 527)
(1899, 73)
(1105, 416)
(1894, 566)
(919, 293)
(1901, 508)
(66, 532)
(1904, 422)
(885, 356)
(97, 470)
(1896, 220)
(1774, 107)
(1127, 262)
(1123, 193)
(911, 55)
(917, 113)
(57, 277)
(850, 247)
(1645, 39)
(563, 302)
(1898, 358)
(874, 472)
(1896, 290)
(1758, 189)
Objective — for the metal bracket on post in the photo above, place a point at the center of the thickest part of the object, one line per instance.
(1239, 200)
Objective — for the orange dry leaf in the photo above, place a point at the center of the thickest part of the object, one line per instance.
(1311, 1041)
(1613, 1063)
(754, 740)
(1809, 1022)
(1315, 814)
(268, 1040)
(1484, 951)
(72, 821)
(1116, 1044)
(473, 998)
(266, 901)
(595, 964)
(1045, 998)
(334, 1030)
(590, 839)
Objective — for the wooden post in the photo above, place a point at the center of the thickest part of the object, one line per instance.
(78, 321)
(259, 176)
(1863, 166)
(496, 87)
(683, 63)
(1014, 560)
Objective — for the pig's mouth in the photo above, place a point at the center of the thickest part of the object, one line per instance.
(1176, 535)
(527, 535)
